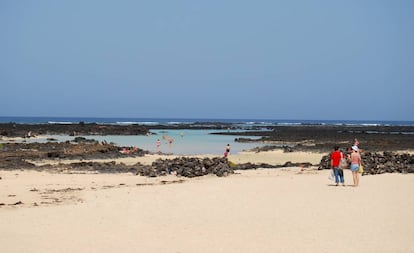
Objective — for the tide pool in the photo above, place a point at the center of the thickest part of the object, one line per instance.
(186, 142)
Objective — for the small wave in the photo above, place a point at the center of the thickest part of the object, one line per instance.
(137, 122)
(288, 124)
(372, 124)
(381, 132)
(62, 122)
(178, 123)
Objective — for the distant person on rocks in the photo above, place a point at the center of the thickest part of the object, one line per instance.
(356, 142)
(336, 156)
(355, 163)
(125, 150)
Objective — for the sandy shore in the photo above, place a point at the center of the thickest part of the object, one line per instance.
(275, 157)
(265, 210)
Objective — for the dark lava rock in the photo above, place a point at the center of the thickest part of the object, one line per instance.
(322, 138)
(20, 130)
(378, 163)
(14, 155)
(189, 167)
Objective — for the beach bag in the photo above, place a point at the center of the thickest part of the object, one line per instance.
(331, 176)
(343, 164)
(361, 169)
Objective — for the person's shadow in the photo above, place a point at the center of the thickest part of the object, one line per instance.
(338, 185)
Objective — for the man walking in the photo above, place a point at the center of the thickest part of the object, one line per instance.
(336, 156)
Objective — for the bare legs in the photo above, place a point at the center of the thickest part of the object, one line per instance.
(355, 177)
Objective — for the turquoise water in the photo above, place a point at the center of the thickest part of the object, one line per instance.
(186, 142)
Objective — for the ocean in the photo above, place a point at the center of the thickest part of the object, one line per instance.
(186, 142)
(168, 121)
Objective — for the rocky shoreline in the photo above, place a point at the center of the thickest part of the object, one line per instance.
(314, 138)
(374, 140)
(22, 130)
(322, 138)
(379, 163)
(15, 155)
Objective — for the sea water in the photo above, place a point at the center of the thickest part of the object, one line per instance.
(243, 123)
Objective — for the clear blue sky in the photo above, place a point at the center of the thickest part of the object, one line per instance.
(273, 59)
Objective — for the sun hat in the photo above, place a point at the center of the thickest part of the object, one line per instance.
(355, 148)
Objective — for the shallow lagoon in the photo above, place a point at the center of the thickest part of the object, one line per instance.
(186, 142)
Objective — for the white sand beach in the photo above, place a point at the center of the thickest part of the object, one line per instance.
(264, 210)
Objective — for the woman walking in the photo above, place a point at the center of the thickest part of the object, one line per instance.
(355, 163)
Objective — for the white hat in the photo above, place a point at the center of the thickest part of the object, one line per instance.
(355, 148)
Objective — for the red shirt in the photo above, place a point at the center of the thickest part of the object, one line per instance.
(336, 158)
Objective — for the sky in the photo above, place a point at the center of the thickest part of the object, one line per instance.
(298, 59)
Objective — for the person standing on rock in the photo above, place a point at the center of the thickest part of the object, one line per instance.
(356, 142)
(355, 163)
(336, 156)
